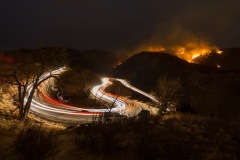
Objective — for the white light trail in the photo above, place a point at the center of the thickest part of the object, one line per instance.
(71, 113)
(68, 112)
(125, 83)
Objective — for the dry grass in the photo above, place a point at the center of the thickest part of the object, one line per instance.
(35, 142)
(174, 136)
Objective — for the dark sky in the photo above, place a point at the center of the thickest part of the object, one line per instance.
(117, 25)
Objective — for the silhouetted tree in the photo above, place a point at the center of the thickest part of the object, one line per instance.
(32, 71)
(117, 91)
(168, 92)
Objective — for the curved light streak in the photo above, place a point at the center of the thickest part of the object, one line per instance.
(125, 83)
(49, 107)
(72, 113)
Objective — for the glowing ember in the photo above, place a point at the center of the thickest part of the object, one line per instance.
(155, 49)
(195, 56)
(150, 48)
(117, 64)
(219, 51)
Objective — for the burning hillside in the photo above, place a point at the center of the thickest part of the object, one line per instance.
(180, 42)
(188, 51)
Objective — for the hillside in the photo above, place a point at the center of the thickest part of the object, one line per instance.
(144, 69)
(208, 90)
(229, 59)
(99, 61)
(213, 92)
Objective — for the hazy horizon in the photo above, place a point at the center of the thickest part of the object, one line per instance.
(119, 25)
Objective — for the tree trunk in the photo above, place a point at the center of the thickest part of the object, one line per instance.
(21, 111)
(28, 105)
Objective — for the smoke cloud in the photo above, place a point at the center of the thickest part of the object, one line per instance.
(198, 29)
(122, 26)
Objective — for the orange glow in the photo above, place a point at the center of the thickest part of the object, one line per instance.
(117, 64)
(192, 50)
(155, 49)
(195, 56)
(150, 48)
(188, 51)
(219, 51)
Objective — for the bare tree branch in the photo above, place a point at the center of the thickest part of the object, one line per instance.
(24, 73)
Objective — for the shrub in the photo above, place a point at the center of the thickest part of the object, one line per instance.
(35, 142)
(98, 138)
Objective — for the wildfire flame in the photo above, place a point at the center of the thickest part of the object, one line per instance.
(188, 51)
(219, 51)
(150, 48)
(192, 50)
(155, 49)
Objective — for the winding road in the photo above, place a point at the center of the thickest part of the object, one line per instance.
(44, 104)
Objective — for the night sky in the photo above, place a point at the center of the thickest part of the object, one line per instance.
(117, 25)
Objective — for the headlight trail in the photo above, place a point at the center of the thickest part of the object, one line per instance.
(126, 84)
(45, 105)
